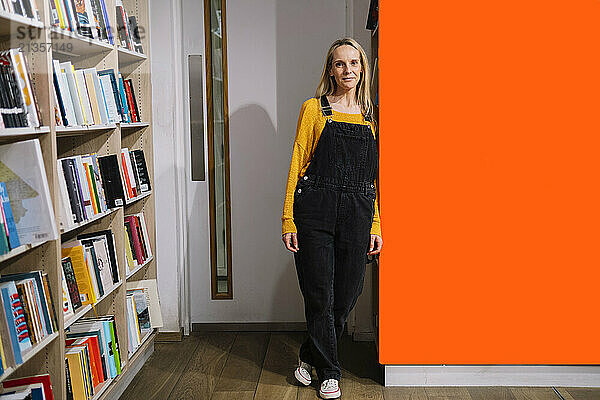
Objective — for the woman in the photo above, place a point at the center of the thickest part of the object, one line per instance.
(330, 216)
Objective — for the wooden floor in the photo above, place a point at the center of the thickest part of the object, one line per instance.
(260, 365)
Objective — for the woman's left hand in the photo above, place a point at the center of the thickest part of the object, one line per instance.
(376, 245)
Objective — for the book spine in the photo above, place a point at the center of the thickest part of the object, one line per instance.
(12, 326)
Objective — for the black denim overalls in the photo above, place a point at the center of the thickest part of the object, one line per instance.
(334, 203)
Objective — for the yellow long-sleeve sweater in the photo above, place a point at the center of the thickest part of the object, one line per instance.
(310, 125)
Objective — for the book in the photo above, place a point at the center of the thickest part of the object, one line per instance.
(74, 250)
(71, 283)
(23, 172)
(71, 183)
(142, 170)
(133, 101)
(68, 312)
(42, 379)
(137, 40)
(110, 74)
(111, 179)
(13, 236)
(84, 97)
(88, 76)
(67, 217)
(150, 289)
(69, 74)
(107, 236)
(74, 362)
(15, 320)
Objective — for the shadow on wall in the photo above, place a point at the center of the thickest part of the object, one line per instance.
(257, 190)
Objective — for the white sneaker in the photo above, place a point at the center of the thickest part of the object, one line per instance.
(302, 373)
(330, 389)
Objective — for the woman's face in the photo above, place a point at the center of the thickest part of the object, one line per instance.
(345, 67)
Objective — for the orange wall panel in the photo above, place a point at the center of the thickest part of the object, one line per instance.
(489, 179)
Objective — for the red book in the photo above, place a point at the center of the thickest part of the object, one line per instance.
(136, 238)
(126, 176)
(43, 379)
(130, 102)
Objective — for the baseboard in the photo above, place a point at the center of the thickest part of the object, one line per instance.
(249, 326)
(170, 336)
(493, 375)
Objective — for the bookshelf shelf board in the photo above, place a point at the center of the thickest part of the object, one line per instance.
(133, 126)
(80, 313)
(142, 345)
(89, 221)
(82, 130)
(139, 267)
(6, 373)
(115, 287)
(10, 133)
(67, 44)
(101, 388)
(19, 250)
(127, 56)
(30, 353)
(141, 196)
(10, 23)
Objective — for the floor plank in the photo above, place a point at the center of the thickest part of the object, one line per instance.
(530, 393)
(158, 376)
(277, 377)
(584, 393)
(404, 393)
(239, 395)
(565, 393)
(245, 361)
(447, 393)
(205, 366)
(490, 393)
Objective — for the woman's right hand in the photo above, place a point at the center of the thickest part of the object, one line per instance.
(290, 240)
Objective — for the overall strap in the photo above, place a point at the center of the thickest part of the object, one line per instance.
(325, 107)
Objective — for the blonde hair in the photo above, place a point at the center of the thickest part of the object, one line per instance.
(328, 85)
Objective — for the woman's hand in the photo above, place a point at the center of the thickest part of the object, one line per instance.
(376, 245)
(291, 241)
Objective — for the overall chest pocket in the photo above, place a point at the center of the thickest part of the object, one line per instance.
(350, 155)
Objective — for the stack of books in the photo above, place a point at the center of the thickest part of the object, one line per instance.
(143, 311)
(28, 310)
(92, 356)
(86, 17)
(89, 185)
(18, 104)
(129, 35)
(31, 387)
(88, 97)
(25, 8)
(90, 270)
(135, 173)
(137, 241)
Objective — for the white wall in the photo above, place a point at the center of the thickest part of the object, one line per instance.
(164, 85)
(275, 55)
